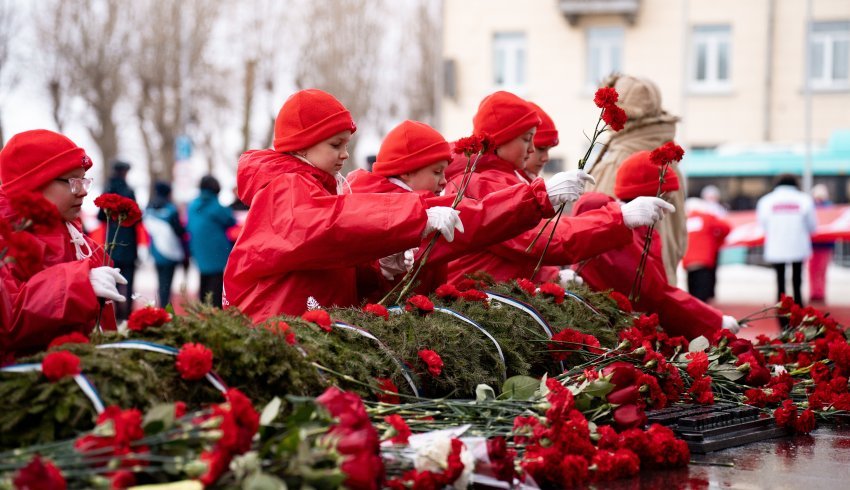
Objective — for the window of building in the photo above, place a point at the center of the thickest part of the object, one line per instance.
(509, 54)
(604, 53)
(711, 58)
(829, 55)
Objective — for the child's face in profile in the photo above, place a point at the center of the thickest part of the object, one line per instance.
(330, 154)
(518, 149)
(431, 178)
(538, 159)
(67, 193)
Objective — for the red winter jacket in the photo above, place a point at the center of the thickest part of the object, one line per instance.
(678, 312)
(706, 233)
(302, 240)
(575, 238)
(496, 217)
(56, 300)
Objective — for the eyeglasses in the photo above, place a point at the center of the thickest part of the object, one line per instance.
(77, 184)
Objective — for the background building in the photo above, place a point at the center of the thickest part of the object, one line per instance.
(734, 71)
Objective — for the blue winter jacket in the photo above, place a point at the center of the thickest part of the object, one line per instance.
(208, 222)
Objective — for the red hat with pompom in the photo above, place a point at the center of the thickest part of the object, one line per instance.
(32, 159)
(410, 146)
(638, 176)
(504, 116)
(309, 117)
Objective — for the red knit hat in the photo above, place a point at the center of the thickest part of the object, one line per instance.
(30, 160)
(547, 133)
(504, 116)
(410, 146)
(638, 176)
(309, 117)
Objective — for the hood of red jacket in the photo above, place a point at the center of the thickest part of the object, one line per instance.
(363, 181)
(258, 168)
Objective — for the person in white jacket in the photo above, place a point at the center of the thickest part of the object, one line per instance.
(788, 219)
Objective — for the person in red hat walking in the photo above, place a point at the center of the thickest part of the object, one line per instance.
(679, 313)
(61, 297)
(413, 158)
(303, 237)
(512, 123)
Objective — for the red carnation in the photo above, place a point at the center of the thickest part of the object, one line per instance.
(605, 97)
(785, 304)
(39, 475)
(698, 365)
(282, 328)
(667, 153)
(387, 385)
(320, 317)
(194, 361)
(447, 292)
(700, 391)
(433, 360)
(36, 211)
(527, 286)
(786, 414)
(57, 365)
(401, 430)
(377, 310)
(121, 209)
(473, 144)
(622, 301)
(553, 290)
(474, 295)
(565, 343)
(420, 304)
(805, 423)
(71, 338)
(179, 409)
(148, 317)
(615, 117)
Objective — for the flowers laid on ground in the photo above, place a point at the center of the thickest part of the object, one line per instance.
(148, 317)
(580, 426)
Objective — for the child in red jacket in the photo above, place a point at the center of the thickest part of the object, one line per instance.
(303, 238)
(58, 292)
(678, 312)
(413, 158)
(512, 123)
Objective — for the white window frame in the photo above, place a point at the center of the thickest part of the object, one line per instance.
(712, 38)
(826, 35)
(605, 44)
(510, 61)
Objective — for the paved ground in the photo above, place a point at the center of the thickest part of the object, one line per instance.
(741, 291)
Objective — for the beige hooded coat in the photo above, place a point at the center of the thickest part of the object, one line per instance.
(648, 127)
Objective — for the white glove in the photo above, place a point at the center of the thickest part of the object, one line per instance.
(443, 219)
(399, 263)
(103, 281)
(730, 323)
(567, 186)
(644, 211)
(569, 275)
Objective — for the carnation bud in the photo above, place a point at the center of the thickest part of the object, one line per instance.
(651, 364)
(623, 345)
(643, 388)
(640, 351)
(744, 368)
(542, 407)
(195, 469)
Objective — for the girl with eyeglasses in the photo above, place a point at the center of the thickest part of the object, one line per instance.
(62, 296)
